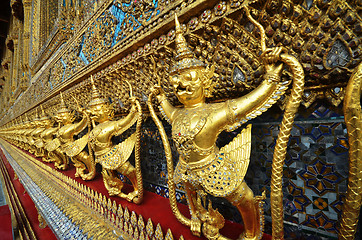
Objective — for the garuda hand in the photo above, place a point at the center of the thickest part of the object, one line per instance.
(270, 58)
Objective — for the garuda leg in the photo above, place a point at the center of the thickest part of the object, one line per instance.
(250, 208)
(85, 166)
(130, 172)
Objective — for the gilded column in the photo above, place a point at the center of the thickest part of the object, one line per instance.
(26, 42)
(14, 68)
(7, 86)
(35, 26)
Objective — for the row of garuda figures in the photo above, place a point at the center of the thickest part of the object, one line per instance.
(202, 167)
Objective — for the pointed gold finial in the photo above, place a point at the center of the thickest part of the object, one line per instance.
(63, 107)
(126, 215)
(43, 114)
(158, 232)
(177, 25)
(136, 233)
(133, 219)
(114, 206)
(92, 82)
(120, 211)
(141, 223)
(169, 235)
(149, 227)
(26, 118)
(96, 98)
(61, 97)
(185, 58)
(109, 204)
(96, 196)
(36, 117)
(104, 202)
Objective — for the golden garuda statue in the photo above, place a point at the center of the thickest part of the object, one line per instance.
(28, 141)
(114, 158)
(17, 138)
(82, 161)
(47, 137)
(36, 123)
(202, 166)
(43, 123)
(63, 117)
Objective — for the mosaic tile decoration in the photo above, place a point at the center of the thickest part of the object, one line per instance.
(315, 170)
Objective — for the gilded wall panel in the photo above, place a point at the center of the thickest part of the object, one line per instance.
(325, 40)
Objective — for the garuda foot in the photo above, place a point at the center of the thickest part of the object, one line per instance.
(256, 236)
(244, 237)
(63, 167)
(133, 196)
(79, 171)
(87, 176)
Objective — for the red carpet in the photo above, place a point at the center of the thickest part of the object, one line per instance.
(155, 207)
(5, 226)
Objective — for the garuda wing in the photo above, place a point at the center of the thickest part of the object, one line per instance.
(227, 171)
(118, 154)
(39, 143)
(52, 145)
(238, 150)
(76, 147)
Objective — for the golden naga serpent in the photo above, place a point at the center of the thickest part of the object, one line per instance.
(280, 150)
(352, 116)
(137, 149)
(170, 170)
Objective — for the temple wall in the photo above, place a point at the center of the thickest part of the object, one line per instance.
(113, 41)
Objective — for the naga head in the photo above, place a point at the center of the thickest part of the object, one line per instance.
(212, 220)
(190, 78)
(99, 108)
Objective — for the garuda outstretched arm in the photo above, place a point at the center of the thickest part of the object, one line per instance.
(260, 99)
(126, 121)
